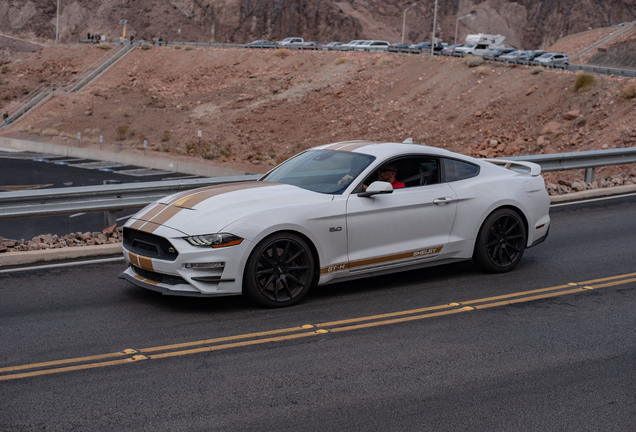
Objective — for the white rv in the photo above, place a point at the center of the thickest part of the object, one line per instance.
(484, 43)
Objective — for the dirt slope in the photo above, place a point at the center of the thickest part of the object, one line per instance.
(255, 108)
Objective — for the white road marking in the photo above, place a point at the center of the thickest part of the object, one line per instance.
(69, 264)
(592, 200)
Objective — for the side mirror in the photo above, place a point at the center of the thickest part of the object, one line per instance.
(377, 188)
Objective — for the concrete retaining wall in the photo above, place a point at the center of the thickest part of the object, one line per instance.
(122, 158)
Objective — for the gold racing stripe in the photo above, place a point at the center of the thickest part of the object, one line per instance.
(144, 280)
(141, 261)
(162, 213)
(383, 259)
(192, 201)
(349, 145)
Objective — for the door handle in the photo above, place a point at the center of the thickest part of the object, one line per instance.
(444, 200)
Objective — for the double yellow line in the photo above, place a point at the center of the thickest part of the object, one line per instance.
(135, 355)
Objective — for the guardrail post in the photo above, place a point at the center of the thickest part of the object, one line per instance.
(110, 218)
(589, 175)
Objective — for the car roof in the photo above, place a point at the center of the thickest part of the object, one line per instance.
(386, 149)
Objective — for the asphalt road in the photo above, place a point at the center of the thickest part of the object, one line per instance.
(441, 349)
(29, 171)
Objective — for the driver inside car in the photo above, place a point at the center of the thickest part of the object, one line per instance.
(387, 174)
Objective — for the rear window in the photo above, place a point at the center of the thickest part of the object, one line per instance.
(455, 170)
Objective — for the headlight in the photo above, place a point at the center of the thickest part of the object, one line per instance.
(214, 240)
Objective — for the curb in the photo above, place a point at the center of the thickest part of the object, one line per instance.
(30, 257)
(592, 193)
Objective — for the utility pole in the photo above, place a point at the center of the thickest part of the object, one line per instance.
(57, 24)
(434, 25)
(404, 20)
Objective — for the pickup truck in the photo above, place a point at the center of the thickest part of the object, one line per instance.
(290, 41)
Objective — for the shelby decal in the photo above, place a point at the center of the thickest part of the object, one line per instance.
(429, 251)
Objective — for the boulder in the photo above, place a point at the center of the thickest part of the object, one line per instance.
(572, 115)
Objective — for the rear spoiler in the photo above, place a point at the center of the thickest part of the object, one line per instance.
(523, 167)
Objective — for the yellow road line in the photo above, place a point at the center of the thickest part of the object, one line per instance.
(257, 338)
(61, 362)
(65, 369)
(222, 339)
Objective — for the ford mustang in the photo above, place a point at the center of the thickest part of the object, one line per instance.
(338, 212)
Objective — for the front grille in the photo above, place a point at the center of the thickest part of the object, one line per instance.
(149, 245)
(159, 277)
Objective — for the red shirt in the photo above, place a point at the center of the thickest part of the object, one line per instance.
(396, 184)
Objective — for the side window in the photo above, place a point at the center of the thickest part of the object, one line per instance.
(458, 170)
(413, 171)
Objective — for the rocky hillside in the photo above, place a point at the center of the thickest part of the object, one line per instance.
(525, 23)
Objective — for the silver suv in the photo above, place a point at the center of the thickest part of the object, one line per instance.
(552, 59)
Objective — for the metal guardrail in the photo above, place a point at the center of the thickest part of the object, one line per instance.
(587, 160)
(110, 198)
(43, 91)
(106, 198)
(301, 47)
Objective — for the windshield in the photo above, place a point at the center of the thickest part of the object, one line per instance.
(323, 171)
(543, 56)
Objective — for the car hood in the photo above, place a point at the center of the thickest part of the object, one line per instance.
(208, 210)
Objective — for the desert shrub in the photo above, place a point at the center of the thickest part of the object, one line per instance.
(341, 60)
(145, 46)
(167, 135)
(583, 82)
(121, 132)
(104, 45)
(473, 61)
(482, 71)
(537, 70)
(200, 149)
(282, 52)
(629, 91)
(383, 61)
(4, 69)
(189, 48)
(177, 47)
(50, 132)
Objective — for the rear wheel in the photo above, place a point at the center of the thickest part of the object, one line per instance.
(279, 272)
(500, 242)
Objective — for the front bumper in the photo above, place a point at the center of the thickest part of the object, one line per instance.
(173, 277)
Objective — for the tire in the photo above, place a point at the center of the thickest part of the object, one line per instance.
(501, 241)
(279, 271)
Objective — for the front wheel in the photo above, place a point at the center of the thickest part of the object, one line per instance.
(500, 242)
(279, 272)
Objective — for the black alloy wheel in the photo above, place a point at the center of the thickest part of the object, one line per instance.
(279, 271)
(501, 242)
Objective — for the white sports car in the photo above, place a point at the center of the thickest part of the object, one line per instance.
(324, 216)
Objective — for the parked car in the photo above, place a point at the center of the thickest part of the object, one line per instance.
(552, 59)
(493, 54)
(351, 45)
(451, 48)
(261, 44)
(332, 46)
(399, 47)
(511, 56)
(313, 45)
(318, 218)
(372, 45)
(531, 55)
(291, 41)
(425, 46)
(464, 49)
